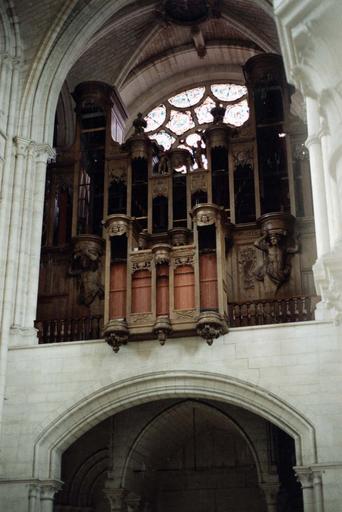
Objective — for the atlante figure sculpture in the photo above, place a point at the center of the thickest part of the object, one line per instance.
(276, 251)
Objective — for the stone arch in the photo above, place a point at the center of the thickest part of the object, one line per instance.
(152, 424)
(10, 42)
(83, 415)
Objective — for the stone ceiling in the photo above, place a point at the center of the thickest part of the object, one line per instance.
(144, 54)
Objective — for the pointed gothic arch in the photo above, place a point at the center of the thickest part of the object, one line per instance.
(61, 431)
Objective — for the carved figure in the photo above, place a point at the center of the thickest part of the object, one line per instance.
(86, 267)
(164, 164)
(139, 124)
(276, 264)
(198, 151)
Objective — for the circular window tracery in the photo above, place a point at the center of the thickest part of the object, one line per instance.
(180, 121)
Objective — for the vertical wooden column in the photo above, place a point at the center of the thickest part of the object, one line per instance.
(162, 327)
(211, 321)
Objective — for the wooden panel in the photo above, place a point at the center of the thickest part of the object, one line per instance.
(117, 292)
(184, 287)
(162, 290)
(141, 291)
(208, 281)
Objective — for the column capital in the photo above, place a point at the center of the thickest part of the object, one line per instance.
(313, 139)
(21, 145)
(48, 489)
(44, 153)
(304, 476)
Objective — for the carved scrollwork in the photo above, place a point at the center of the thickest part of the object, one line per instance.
(186, 314)
(140, 265)
(140, 318)
(184, 260)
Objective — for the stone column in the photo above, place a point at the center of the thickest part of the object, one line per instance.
(304, 475)
(313, 144)
(48, 490)
(317, 490)
(271, 494)
(43, 154)
(25, 239)
(34, 497)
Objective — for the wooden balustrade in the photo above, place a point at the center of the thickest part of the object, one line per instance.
(276, 311)
(69, 329)
(258, 312)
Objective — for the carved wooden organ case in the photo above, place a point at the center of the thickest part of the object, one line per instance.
(162, 246)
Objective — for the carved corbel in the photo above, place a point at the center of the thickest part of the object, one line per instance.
(117, 224)
(211, 325)
(161, 253)
(162, 329)
(277, 231)
(116, 334)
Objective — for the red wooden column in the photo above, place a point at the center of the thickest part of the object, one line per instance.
(208, 281)
(141, 291)
(162, 295)
(117, 291)
(184, 287)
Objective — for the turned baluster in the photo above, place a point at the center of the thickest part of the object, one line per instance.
(252, 314)
(260, 313)
(295, 309)
(287, 310)
(304, 308)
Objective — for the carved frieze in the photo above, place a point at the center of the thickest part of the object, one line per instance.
(117, 174)
(186, 314)
(141, 260)
(184, 260)
(243, 157)
(247, 260)
(199, 181)
(160, 187)
(140, 318)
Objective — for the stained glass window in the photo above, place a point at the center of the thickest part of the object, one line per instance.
(193, 139)
(203, 111)
(180, 122)
(228, 92)
(155, 118)
(237, 114)
(163, 139)
(187, 98)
